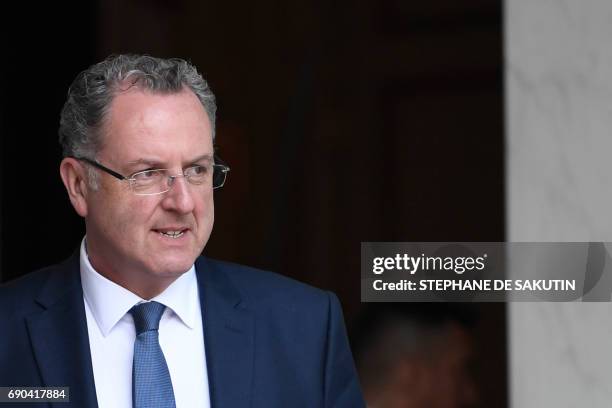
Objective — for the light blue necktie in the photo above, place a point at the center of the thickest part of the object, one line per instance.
(151, 383)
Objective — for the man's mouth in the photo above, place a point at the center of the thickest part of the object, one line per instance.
(171, 233)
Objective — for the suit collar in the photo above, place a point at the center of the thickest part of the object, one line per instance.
(58, 334)
(228, 336)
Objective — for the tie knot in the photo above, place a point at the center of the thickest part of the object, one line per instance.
(146, 316)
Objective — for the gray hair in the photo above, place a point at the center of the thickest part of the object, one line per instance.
(93, 90)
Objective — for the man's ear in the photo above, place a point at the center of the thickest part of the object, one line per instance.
(75, 180)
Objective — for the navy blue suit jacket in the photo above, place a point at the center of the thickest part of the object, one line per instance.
(270, 341)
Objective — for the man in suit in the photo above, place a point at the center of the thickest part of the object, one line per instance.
(137, 318)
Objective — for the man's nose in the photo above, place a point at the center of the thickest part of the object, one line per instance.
(180, 197)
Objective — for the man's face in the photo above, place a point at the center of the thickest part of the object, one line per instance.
(125, 231)
(453, 385)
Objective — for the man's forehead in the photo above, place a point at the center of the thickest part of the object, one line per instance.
(137, 97)
(138, 100)
(157, 129)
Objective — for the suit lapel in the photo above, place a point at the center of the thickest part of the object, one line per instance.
(59, 338)
(228, 337)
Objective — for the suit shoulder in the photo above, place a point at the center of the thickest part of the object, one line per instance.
(17, 294)
(257, 284)
(25, 285)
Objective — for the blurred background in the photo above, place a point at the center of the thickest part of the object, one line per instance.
(342, 121)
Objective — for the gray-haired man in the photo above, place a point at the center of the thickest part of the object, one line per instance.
(137, 317)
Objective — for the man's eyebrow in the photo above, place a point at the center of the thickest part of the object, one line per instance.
(204, 157)
(147, 162)
(160, 164)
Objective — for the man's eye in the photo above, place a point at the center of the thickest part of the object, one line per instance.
(147, 174)
(197, 170)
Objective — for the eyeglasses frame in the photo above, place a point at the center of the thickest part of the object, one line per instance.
(218, 165)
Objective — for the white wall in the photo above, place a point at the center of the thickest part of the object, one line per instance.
(559, 188)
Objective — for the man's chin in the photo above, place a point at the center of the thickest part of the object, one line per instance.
(172, 267)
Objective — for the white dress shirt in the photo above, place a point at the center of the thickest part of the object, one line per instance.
(112, 334)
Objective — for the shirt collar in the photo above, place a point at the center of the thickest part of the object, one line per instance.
(109, 302)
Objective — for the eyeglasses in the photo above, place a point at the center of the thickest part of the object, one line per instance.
(159, 181)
